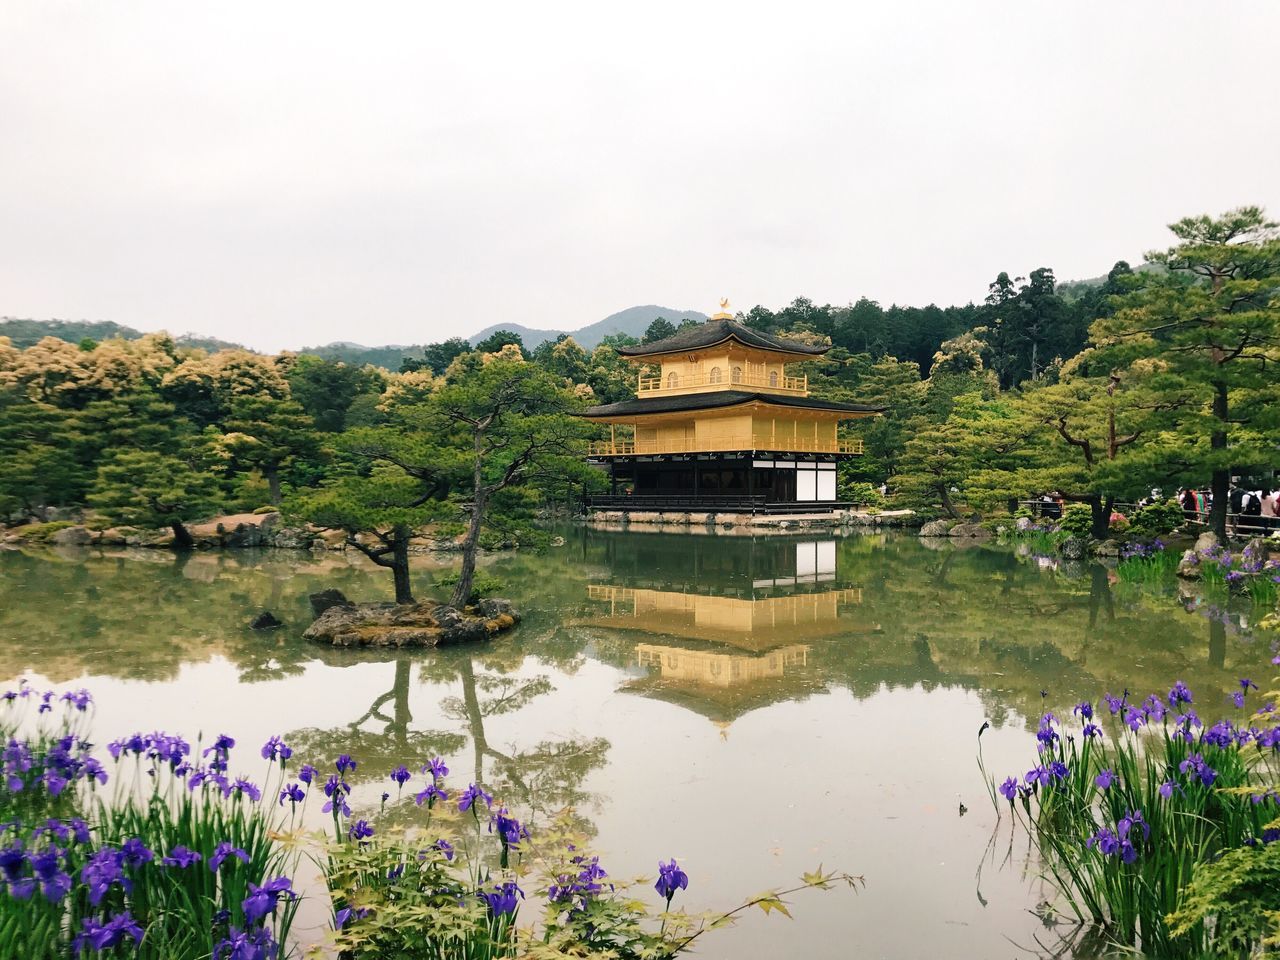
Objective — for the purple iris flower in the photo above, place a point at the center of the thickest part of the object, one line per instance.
(1084, 710)
(181, 857)
(245, 787)
(224, 850)
(80, 699)
(670, 879)
(337, 791)
(104, 869)
(293, 793)
(1179, 694)
(471, 795)
(345, 763)
(445, 847)
(276, 749)
(263, 900)
(360, 830)
(509, 828)
(1091, 730)
(103, 936)
(343, 916)
(400, 775)
(1166, 789)
(502, 900)
(308, 773)
(246, 945)
(135, 853)
(1009, 788)
(430, 795)
(436, 767)
(1195, 766)
(1106, 779)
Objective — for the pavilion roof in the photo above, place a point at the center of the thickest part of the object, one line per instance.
(714, 332)
(721, 398)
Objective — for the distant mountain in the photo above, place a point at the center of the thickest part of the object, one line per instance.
(26, 333)
(388, 357)
(633, 321)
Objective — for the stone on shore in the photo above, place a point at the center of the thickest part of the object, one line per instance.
(1074, 548)
(425, 624)
(935, 528)
(324, 599)
(970, 531)
(1206, 541)
(71, 537)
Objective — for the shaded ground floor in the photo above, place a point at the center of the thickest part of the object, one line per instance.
(715, 481)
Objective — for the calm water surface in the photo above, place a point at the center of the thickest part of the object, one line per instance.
(753, 706)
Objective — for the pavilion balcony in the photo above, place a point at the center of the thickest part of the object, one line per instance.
(724, 444)
(657, 387)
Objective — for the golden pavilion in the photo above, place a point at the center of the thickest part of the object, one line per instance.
(718, 424)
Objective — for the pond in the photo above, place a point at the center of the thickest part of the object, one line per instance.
(754, 706)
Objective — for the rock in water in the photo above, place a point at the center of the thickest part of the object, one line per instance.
(266, 620)
(935, 528)
(971, 531)
(425, 624)
(1108, 548)
(322, 601)
(1074, 548)
(1206, 541)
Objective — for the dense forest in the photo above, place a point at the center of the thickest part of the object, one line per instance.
(1155, 378)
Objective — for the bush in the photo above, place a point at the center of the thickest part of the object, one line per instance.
(41, 532)
(1156, 519)
(861, 494)
(1077, 520)
(482, 584)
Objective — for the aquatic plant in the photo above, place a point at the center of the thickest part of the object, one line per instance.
(165, 852)
(1125, 807)
(1247, 572)
(176, 860)
(1147, 562)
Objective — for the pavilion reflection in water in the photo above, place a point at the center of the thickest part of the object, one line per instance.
(733, 639)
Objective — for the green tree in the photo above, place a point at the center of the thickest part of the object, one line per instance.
(37, 466)
(940, 456)
(378, 512)
(1209, 327)
(327, 390)
(1089, 440)
(506, 427)
(146, 488)
(660, 329)
(499, 339)
(270, 434)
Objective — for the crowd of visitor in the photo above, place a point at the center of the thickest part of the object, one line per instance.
(1248, 511)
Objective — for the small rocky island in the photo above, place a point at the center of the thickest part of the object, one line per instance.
(424, 624)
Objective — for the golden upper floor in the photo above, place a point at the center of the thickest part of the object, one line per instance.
(720, 354)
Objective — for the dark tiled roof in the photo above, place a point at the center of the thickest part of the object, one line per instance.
(720, 398)
(712, 332)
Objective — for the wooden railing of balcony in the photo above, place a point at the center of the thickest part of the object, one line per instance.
(625, 448)
(656, 385)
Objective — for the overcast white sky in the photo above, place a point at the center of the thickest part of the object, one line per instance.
(294, 173)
